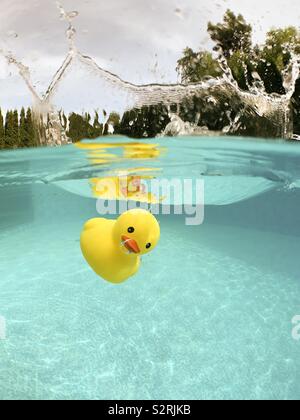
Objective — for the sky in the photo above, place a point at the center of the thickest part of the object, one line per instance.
(140, 40)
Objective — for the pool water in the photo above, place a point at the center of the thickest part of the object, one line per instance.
(209, 313)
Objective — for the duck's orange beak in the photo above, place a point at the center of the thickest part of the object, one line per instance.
(130, 245)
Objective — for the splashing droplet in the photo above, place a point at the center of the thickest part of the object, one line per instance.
(72, 15)
(178, 12)
(12, 34)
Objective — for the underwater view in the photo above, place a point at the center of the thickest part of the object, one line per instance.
(149, 202)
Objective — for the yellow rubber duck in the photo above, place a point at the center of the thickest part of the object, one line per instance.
(113, 247)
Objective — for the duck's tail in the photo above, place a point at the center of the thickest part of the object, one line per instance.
(90, 224)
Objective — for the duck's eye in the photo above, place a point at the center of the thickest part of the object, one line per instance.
(130, 230)
(148, 246)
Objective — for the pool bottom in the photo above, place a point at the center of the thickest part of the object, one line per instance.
(204, 318)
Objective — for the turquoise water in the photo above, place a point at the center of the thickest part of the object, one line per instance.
(208, 315)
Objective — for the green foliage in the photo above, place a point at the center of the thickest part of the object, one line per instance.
(80, 127)
(275, 56)
(2, 131)
(234, 38)
(25, 130)
(9, 130)
(22, 128)
(15, 129)
(97, 126)
(232, 35)
(242, 66)
(114, 119)
(77, 127)
(195, 66)
(296, 107)
(31, 136)
(145, 122)
(250, 66)
(279, 46)
(18, 130)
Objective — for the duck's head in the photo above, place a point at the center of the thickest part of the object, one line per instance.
(137, 231)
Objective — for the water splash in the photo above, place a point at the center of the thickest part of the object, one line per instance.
(24, 73)
(256, 101)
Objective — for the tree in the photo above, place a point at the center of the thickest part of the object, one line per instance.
(281, 44)
(22, 129)
(2, 131)
(16, 137)
(114, 120)
(275, 57)
(30, 134)
(234, 38)
(9, 130)
(79, 127)
(242, 67)
(147, 121)
(296, 107)
(233, 35)
(29, 128)
(97, 126)
(195, 66)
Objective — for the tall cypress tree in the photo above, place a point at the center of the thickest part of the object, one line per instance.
(31, 132)
(9, 130)
(2, 132)
(22, 130)
(15, 128)
(97, 126)
(78, 127)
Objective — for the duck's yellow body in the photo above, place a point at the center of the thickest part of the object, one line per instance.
(113, 247)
